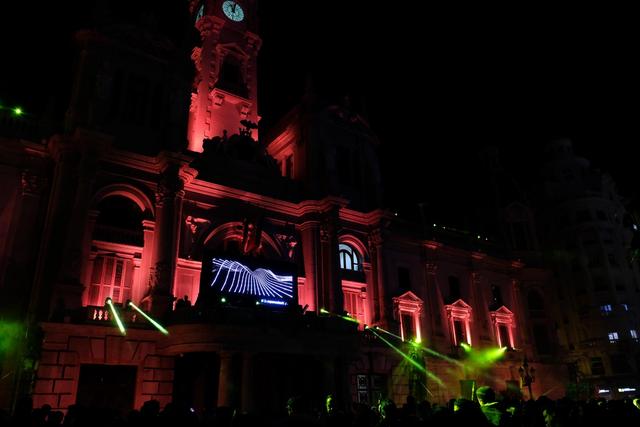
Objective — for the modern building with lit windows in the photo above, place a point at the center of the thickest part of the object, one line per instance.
(273, 265)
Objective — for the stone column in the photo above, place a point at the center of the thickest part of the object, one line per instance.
(169, 197)
(14, 292)
(433, 303)
(86, 267)
(480, 306)
(56, 223)
(69, 285)
(331, 284)
(309, 231)
(225, 380)
(381, 309)
(370, 308)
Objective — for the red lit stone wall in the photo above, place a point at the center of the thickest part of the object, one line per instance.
(66, 347)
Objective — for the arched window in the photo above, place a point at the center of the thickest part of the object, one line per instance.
(349, 258)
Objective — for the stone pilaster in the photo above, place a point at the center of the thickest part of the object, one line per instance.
(169, 198)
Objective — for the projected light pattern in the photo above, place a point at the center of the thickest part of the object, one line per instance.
(234, 277)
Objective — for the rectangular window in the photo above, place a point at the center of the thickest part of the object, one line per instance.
(408, 328)
(605, 309)
(404, 278)
(613, 337)
(111, 277)
(460, 331)
(634, 334)
(504, 335)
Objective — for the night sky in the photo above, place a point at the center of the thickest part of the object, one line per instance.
(436, 83)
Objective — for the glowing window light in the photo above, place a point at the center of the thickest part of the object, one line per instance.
(115, 316)
(153, 322)
(604, 390)
(605, 309)
(613, 337)
(626, 389)
(633, 333)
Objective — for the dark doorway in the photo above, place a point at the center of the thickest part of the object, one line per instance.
(107, 386)
(196, 381)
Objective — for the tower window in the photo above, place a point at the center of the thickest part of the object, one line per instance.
(349, 258)
(634, 334)
(613, 337)
(231, 78)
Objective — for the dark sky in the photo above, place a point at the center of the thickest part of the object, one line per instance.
(437, 83)
(440, 83)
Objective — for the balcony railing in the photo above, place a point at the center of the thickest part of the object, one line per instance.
(102, 315)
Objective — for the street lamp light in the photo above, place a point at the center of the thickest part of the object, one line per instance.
(527, 376)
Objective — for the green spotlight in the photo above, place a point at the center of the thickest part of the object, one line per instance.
(257, 302)
(323, 311)
(466, 347)
(18, 111)
(115, 316)
(350, 319)
(146, 316)
(223, 300)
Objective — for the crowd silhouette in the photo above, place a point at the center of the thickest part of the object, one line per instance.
(486, 410)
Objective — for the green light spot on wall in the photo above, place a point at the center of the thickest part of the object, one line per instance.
(18, 111)
(10, 332)
(323, 311)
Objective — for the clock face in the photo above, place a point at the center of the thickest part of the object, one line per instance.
(233, 10)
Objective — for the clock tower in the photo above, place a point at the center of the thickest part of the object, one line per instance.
(224, 89)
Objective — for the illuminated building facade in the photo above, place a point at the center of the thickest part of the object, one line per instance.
(155, 169)
(586, 224)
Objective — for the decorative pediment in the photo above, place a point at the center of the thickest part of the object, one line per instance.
(502, 315)
(503, 311)
(409, 296)
(460, 304)
(459, 309)
(408, 302)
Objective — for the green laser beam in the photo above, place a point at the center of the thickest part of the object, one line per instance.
(427, 349)
(410, 359)
(115, 316)
(146, 316)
